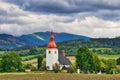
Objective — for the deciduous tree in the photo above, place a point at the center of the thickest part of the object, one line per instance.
(11, 62)
(84, 59)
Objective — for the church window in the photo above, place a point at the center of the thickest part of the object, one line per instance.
(55, 52)
(49, 52)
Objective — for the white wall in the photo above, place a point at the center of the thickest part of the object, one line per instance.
(52, 57)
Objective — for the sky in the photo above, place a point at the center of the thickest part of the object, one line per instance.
(93, 18)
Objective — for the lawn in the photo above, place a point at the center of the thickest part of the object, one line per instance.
(28, 57)
(105, 56)
(1, 52)
(101, 56)
(59, 76)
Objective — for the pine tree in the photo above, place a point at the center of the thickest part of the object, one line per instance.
(39, 59)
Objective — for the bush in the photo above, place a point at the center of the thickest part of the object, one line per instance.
(12, 69)
(109, 65)
(43, 68)
(118, 70)
(22, 68)
(71, 69)
(56, 68)
(114, 71)
(28, 66)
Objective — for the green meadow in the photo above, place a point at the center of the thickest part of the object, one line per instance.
(106, 56)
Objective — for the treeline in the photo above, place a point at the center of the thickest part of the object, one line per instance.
(32, 51)
(86, 61)
(12, 62)
(110, 45)
(89, 62)
(96, 46)
(112, 42)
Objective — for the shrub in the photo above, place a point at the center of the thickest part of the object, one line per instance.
(109, 65)
(12, 69)
(71, 69)
(56, 68)
(43, 68)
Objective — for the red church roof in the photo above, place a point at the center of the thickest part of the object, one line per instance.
(52, 43)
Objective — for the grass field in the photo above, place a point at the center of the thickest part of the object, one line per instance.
(1, 52)
(61, 76)
(105, 56)
(26, 57)
(101, 56)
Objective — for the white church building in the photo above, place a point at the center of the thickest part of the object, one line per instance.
(52, 55)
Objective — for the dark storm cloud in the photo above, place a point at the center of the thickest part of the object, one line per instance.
(68, 7)
(65, 6)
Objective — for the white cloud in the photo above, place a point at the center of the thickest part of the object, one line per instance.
(15, 21)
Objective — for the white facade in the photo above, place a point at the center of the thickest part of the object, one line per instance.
(51, 57)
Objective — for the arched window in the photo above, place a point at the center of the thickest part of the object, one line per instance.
(55, 52)
(49, 52)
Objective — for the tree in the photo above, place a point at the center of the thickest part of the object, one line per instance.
(39, 59)
(84, 59)
(0, 66)
(11, 62)
(33, 51)
(97, 63)
(110, 65)
(118, 61)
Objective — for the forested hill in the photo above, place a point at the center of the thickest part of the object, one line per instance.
(112, 42)
(102, 46)
(110, 46)
(35, 39)
(65, 40)
(94, 43)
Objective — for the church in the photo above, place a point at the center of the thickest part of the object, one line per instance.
(53, 57)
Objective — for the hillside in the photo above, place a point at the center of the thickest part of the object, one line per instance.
(100, 45)
(42, 38)
(113, 42)
(9, 42)
(64, 40)
(35, 39)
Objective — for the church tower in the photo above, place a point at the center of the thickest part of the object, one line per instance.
(51, 53)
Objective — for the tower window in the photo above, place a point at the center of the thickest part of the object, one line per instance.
(49, 52)
(55, 52)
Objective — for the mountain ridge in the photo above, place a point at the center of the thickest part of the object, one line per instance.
(39, 38)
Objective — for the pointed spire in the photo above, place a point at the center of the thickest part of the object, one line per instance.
(52, 36)
(52, 44)
(52, 32)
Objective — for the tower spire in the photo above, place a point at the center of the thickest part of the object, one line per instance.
(51, 32)
(52, 44)
(52, 36)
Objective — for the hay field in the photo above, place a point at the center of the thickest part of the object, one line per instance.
(58, 76)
